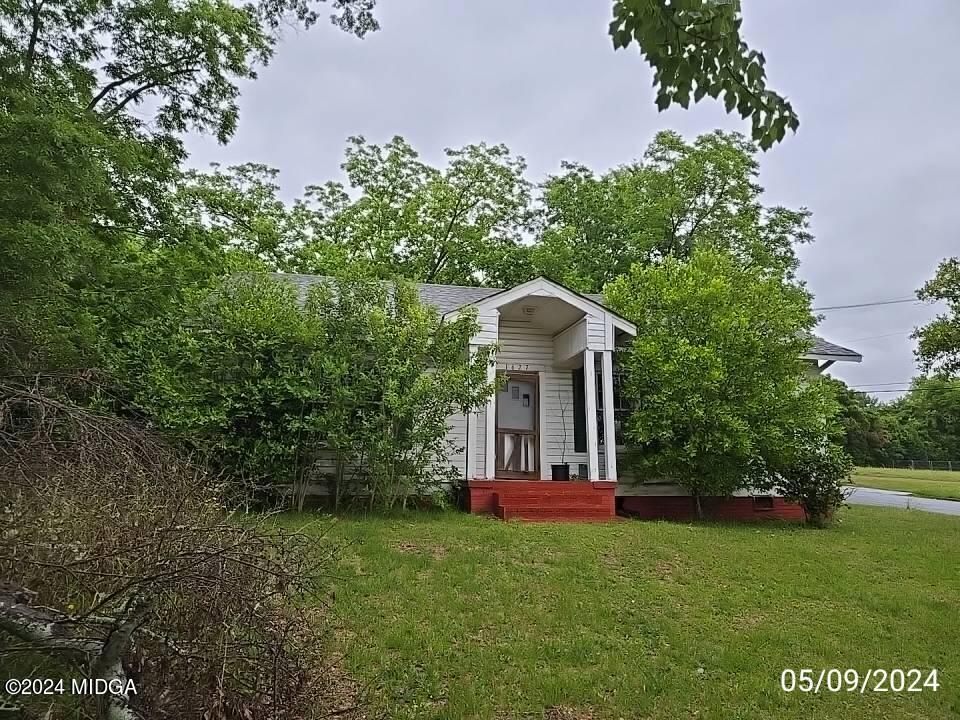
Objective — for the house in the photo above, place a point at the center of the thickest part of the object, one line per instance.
(561, 406)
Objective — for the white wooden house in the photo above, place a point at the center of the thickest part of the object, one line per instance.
(561, 405)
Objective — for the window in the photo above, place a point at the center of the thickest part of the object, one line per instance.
(762, 502)
(621, 410)
(621, 407)
(579, 412)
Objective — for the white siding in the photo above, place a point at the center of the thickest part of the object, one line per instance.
(596, 332)
(457, 434)
(481, 439)
(488, 328)
(558, 401)
(570, 342)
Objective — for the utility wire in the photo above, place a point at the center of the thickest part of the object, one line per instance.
(875, 337)
(879, 384)
(867, 304)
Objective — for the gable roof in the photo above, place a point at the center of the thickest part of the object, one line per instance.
(544, 285)
(447, 298)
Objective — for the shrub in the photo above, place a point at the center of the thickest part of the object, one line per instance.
(118, 562)
(352, 385)
(715, 372)
(815, 478)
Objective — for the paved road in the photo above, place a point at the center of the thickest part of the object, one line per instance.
(895, 498)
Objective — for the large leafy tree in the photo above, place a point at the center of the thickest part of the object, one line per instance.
(695, 49)
(239, 209)
(93, 98)
(715, 372)
(866, 425)
(680, 197)
(926, 421)
(401, 217)
(939, 341)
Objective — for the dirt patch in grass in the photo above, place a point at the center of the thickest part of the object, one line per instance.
(437, 552)
(565, 713)
(343, 696)
(748, 622)
(665, 569)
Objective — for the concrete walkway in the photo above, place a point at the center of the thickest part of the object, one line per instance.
(898, 499)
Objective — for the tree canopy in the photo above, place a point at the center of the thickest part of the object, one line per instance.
(715, 372)
(938, 348)
(681, 196)
(478, 220)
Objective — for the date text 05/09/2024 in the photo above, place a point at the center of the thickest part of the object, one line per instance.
(881, 680)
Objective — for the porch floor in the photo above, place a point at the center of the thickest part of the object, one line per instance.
(542, 499)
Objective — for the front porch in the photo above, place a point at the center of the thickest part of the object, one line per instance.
(554, 407)
(541, 500)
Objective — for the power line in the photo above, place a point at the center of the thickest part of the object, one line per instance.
(875, 337)
(867, 304)
(879, 384)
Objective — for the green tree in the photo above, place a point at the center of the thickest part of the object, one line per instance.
(715, 372)
(926, 421)
(695, 49)
(239, 209)
(93, 98)
(680, 197)
(358, 377)
(460, 225)
(938, 347)
(866, 425)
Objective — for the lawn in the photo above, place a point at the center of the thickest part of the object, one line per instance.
(926, 483)
(458, 616)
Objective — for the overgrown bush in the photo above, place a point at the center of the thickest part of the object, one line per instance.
(715, 372)
(351, 385)
(118, 562)
(815, 478)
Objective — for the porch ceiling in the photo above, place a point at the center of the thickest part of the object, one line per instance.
(549, 314)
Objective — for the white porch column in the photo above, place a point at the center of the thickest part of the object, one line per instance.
(470, 446)
(472, 419)
(609, 431)
(590, 391)
(490, 470)
(542, 425)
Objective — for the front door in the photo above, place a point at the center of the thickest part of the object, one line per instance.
(518, 439)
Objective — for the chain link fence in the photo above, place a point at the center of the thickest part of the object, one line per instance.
(953, 465)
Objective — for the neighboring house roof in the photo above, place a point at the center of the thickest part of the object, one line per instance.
(447, 298)
(822, 349)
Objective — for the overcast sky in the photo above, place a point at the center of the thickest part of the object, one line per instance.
(874, 82)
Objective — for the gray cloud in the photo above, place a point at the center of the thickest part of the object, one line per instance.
(875, 158)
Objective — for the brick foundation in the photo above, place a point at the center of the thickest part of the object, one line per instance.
(681, 507)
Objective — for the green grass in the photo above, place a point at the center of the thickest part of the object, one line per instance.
(458, 616)
(926, 483)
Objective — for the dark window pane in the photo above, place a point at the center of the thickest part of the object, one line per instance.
(579, 412)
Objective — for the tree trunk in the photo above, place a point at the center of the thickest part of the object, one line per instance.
(698, 506)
